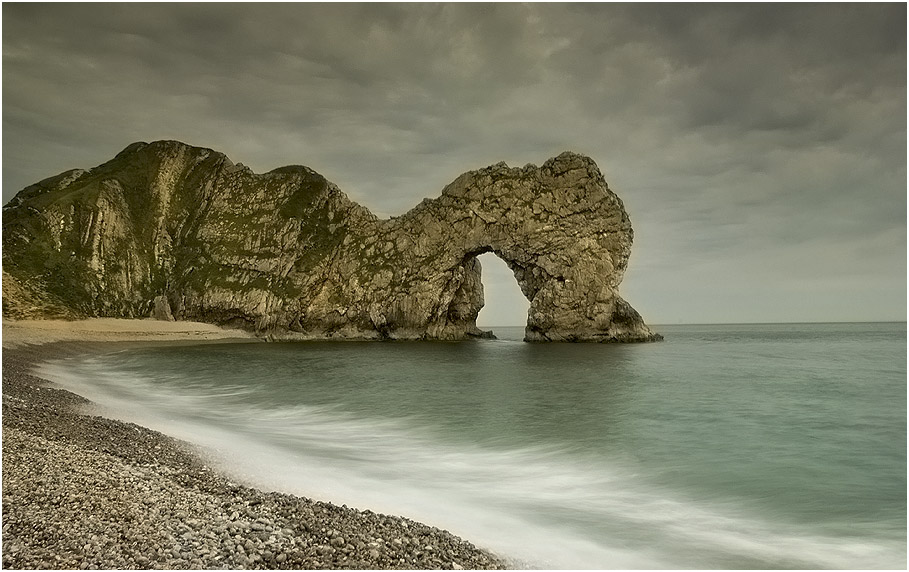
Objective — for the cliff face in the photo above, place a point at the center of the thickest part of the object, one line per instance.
(173, 230)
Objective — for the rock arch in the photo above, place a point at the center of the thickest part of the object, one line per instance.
(559, 228)
(286, 253)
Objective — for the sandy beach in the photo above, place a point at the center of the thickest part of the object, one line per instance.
(84, 492)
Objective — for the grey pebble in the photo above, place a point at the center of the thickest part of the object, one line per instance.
(155, 505)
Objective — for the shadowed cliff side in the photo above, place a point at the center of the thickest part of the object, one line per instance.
(181, 232)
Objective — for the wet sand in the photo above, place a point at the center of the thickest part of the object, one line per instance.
(82, 491)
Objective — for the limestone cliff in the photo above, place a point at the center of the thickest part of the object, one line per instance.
(182, 233)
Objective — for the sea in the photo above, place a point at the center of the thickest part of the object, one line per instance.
(753, 446)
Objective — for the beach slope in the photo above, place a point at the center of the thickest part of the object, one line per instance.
(82, 491)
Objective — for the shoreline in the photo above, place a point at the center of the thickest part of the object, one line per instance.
(83, 491)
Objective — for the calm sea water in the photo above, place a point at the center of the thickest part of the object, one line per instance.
(725, 446)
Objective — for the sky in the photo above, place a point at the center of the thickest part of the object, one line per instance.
(759, 149)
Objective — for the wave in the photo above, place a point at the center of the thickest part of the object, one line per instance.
(541, 506)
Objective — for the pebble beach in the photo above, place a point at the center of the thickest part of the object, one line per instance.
(81, 491)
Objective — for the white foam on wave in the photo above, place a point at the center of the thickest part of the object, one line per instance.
(539, 506)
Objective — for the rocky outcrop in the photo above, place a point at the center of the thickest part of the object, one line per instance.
(173, 230)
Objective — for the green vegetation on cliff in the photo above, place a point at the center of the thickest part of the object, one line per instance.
(286, 253)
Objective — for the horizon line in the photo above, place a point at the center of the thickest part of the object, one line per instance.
(733, 323)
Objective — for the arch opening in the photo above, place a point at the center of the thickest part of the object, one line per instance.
(505, 305)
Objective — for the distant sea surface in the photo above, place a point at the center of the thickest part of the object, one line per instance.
(725, 446)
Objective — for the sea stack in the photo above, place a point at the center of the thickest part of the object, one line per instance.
(181, 232)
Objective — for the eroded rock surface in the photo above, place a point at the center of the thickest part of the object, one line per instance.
(167, 229)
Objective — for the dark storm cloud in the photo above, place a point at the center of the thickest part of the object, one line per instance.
(751, 143)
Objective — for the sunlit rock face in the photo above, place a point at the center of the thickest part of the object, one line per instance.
(166, 229)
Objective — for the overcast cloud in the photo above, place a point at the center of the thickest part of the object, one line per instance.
(760, 149)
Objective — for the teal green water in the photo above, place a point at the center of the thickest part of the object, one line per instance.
(725, 446)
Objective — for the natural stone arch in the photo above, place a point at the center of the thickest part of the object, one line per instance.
(171, 227)
(560, 229)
